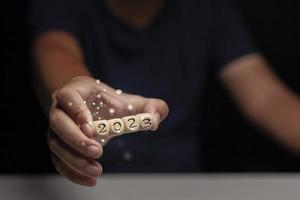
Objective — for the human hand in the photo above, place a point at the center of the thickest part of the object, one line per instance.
(71, 137)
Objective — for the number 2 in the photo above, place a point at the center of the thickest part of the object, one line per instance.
(132, 121)
(102, 129)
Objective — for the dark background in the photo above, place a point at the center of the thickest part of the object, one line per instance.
(230, 144)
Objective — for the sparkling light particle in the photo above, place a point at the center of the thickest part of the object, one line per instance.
(111, 111)
(101, 103)
(102, 140)
(70, 104)
(127, 156)
(93, 103)
(98, 107)
(84, 102)
(130, 107)
(98, 81)
(104, 90)
(99, 118)
(119, 91)
(98, 96)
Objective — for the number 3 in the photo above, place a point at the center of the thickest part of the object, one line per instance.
(146, 123)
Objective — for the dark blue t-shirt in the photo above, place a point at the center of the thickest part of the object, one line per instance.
(167, 60)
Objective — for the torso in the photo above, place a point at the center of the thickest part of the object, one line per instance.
(162, 61)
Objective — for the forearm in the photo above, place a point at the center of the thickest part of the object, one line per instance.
(280, 116)
(55, 65)
(264, 99)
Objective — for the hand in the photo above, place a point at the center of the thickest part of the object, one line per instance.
(70, 136)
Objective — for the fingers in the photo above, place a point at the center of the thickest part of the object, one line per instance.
(72, 174)
(118, 105)
(73, 159)
(133, 104)
(157, 105)
(71, 101)
(70, 133)
(159, 110)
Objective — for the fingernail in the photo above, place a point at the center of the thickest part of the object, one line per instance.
(87, 129)
(92, 170)
(93, 151)
(90, 181)
(156, 118)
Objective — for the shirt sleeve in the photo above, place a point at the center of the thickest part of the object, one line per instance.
(231, 39)
(55, 15)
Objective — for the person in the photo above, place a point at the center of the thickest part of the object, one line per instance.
(150, 48)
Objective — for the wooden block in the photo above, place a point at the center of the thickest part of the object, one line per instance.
(116, 126)
(101, 127)
(131, 124)
(146, 121)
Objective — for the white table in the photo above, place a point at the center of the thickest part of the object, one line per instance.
(146, 187)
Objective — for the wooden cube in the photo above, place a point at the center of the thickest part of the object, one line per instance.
(116, 126)
(131, 124)
(101, 127)
(146, 121)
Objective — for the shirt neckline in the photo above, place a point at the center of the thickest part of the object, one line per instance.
(129, 28)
